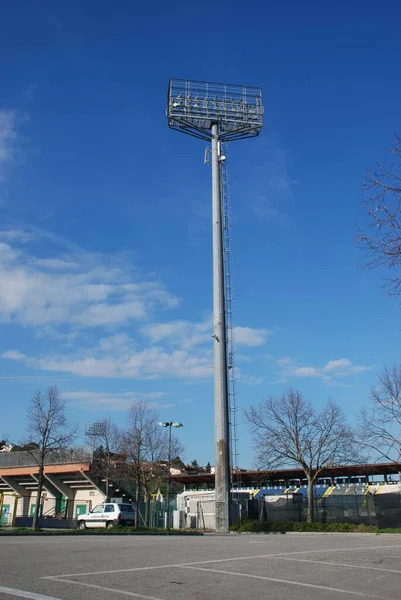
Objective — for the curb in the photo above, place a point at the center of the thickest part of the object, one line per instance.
(92, 533)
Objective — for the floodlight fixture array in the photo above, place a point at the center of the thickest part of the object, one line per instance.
(194, 106)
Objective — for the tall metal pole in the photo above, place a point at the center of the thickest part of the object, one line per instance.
(168, 476)
(221, 400)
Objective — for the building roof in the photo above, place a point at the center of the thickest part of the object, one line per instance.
(256, 477)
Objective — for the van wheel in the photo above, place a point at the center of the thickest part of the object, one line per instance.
(109, 525)
(81, 525)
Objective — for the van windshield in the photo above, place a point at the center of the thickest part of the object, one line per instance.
(126, 508)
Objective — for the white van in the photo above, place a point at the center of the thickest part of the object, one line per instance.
(109, 514)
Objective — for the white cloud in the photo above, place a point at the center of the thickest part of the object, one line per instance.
(150, 363)
(342, 367)
(80, 291)
(184, 334)
(13, 355)
(114, 401)
(306, 372)
(15, 235)
(187, 334)
(78, 297)
(274, 184)
(250, 379)
(246, 336)
(8, 135)
(286, 360)
(342, 363)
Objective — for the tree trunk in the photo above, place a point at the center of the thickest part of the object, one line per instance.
(147, 507)
(107, 482)
(137, 500)
(310, 498)
(35, 521)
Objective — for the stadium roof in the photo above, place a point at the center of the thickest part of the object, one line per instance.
(252, 477)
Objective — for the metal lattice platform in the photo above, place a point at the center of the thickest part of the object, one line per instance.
(194, 106)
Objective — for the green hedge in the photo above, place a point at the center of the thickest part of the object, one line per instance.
(253, 526)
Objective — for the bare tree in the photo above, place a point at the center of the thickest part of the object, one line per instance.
(381, 241)
(48, 430)
(288, 432)
(380, 423)
(157, 463)
(135, 440)
(146, 446)
(109, 451)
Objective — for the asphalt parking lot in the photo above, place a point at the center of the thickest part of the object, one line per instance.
(300, 567)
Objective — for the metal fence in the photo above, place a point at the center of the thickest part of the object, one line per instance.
(382, 510)
(55, 457)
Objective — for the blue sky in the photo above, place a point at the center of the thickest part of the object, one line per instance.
(105, 243)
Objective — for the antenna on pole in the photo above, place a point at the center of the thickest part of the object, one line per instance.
(218, 113)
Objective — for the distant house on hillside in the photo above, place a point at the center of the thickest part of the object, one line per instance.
(5, 447)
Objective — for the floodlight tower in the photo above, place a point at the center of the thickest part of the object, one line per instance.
(217, 113)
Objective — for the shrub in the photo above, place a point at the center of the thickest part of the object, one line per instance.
(254, 526)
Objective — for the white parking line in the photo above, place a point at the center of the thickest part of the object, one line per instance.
(105, 589)
(24, 594)
(220, 560)
(289, 582)
(336, 564)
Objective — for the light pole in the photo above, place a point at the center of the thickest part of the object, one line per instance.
(217, 113)
(94, 430)
(169, 424)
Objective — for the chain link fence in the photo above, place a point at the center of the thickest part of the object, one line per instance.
(382, 510)
(55, 457)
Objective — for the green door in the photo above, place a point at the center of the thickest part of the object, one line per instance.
(32, 510)
(5, 514)
(80, 509)
(63, 503)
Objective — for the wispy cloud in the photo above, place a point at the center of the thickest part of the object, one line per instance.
(78, 290)
(9, 138)
(247, 336)
(28, 93)
(344, 366)
(184, 334)
(249, 379)
(178, 349)
(149, 363)
(115, 401)
(329, 373)
(276, 186)
(104, 312)
(187, 334)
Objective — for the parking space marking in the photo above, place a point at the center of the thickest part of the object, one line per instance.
(221, 560)
(336, 564)
(104, 589)
(24, 594)
(289, 582)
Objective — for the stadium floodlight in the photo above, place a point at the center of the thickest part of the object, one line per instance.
(193, 107)
(217, 113)
(94, 429)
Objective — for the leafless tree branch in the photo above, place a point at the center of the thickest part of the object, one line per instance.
(48, 431)
(381, 241)
(147, 445)
(287, 432)
(380, 422)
